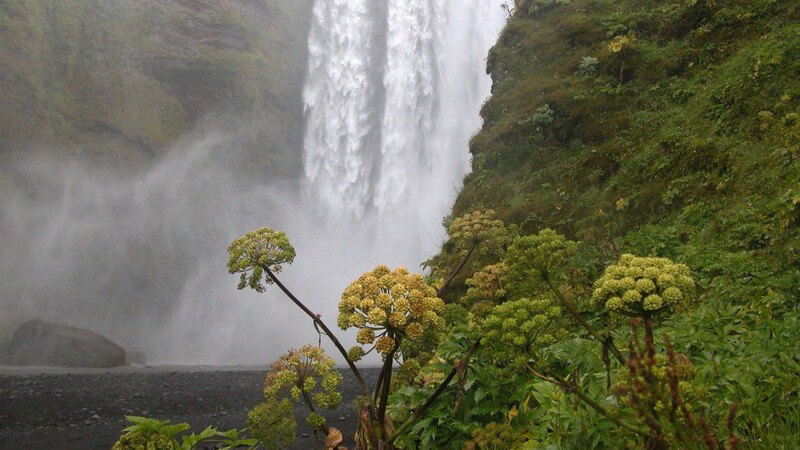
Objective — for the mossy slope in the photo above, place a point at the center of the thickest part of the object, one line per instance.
(684, 144)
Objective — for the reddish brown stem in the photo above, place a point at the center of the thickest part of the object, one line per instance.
(386, 381)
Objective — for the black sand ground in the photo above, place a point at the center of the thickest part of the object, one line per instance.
(85, 410)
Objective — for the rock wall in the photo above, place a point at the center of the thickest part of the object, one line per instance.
(121, 80)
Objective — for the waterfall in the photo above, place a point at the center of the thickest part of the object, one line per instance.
(392, 96)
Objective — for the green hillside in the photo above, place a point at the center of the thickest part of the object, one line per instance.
(665, 128)
(683, 144)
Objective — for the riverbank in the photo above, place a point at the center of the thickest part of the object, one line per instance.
(44, 408)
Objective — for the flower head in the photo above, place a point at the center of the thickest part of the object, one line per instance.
(396, 302)
(303, 373)
(639, 286)
(257, 250)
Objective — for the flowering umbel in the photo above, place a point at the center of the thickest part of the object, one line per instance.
(475, 228)
(485, 289)
(307, 371)
(306, 375)
(385, 304)
(538, 256)
(643, 286)
(525, 325)
(256, 250)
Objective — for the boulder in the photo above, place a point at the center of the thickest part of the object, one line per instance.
(38, 343)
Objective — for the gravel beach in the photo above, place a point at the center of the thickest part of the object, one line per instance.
(85, 409)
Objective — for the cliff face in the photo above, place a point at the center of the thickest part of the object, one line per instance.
(660, 127)
(121, 80)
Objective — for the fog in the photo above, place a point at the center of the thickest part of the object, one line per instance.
(140, 257)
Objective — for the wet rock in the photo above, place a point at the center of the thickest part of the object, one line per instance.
(38, 343)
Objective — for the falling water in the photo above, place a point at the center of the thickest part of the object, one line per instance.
(391, 98)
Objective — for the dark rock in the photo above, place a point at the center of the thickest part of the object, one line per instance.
(37, 343)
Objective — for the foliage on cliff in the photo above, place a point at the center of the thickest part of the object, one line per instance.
(686, 144)
(666, 129)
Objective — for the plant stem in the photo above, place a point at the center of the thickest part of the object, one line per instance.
(455, 272)
(648, 339)
(579, 318)
(316, 318)
(438, 392)
(386, 377)
(310, 406)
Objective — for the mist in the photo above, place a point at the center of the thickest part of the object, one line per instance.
(139, 255)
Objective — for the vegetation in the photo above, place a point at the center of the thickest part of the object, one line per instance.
(664, 129)
(152, 434)
(633, 285)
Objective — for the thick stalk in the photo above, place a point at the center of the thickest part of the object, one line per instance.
(579, 318)
(648, 339)
(318, 321)
(386, 377)
(436, 394)
(455, 272)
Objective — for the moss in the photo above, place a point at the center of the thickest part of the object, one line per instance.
(697, 122)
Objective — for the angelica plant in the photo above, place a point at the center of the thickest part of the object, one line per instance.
(542, 260)
(272, 423)
(521, 328)
(304, 375)
(258, 251)
(387, 307)
(486, 288)
(644, 287)
(468, 233)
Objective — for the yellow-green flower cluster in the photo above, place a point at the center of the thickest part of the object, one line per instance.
(393, 303)
(643, 286)
(355, 353)
(486, 287)
(621, 43)
(304, 373)
(524, 326)
(476, 227)
(536, 257)
(256, 250)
